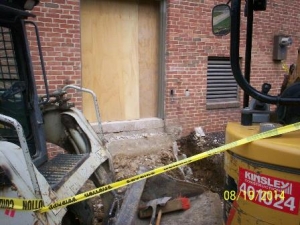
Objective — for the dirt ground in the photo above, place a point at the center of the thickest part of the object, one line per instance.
(207, 172)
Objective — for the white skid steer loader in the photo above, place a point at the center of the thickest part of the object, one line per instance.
(28, 122)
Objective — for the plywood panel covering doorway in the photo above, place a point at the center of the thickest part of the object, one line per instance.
(120, 52)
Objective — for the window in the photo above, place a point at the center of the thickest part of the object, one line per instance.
(222, 89)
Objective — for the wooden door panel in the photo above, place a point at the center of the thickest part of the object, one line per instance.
(119, 58)
(110, 58)
(148, 57)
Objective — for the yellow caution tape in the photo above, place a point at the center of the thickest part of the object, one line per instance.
(21, 204)
(37, 204)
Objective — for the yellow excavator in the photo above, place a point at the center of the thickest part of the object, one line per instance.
(263, 177)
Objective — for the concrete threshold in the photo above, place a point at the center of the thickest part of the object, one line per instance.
(147, 124)
(135, 137)
(133, 125)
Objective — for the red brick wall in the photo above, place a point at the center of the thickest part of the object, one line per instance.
(189, 42)
(59, 27)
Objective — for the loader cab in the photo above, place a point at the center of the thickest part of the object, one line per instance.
(18, 93)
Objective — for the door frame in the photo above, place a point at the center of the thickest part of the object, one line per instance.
(161, 60)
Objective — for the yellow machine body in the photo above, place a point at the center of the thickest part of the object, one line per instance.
(262, 178)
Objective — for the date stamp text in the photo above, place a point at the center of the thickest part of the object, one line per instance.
(253, 195)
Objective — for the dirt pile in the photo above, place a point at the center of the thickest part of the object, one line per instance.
(207, 172)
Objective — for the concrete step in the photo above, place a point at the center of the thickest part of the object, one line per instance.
(139, 144)
(135, 137)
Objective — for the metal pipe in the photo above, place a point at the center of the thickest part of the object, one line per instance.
(25, 150)
(248, 48)
(41, 59)
(95, 105)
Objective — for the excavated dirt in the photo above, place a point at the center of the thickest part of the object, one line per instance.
(207, 172)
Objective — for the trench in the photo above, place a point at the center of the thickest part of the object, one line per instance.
(208, 171)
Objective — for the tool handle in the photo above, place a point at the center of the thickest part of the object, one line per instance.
(158, 217)
(152, 221)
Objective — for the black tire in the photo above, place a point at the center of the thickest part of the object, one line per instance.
(80, 213)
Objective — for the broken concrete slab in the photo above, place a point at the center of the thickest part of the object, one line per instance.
(205, 209)
(206, 206)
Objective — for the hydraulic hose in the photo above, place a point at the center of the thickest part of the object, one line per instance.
(235, 64)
